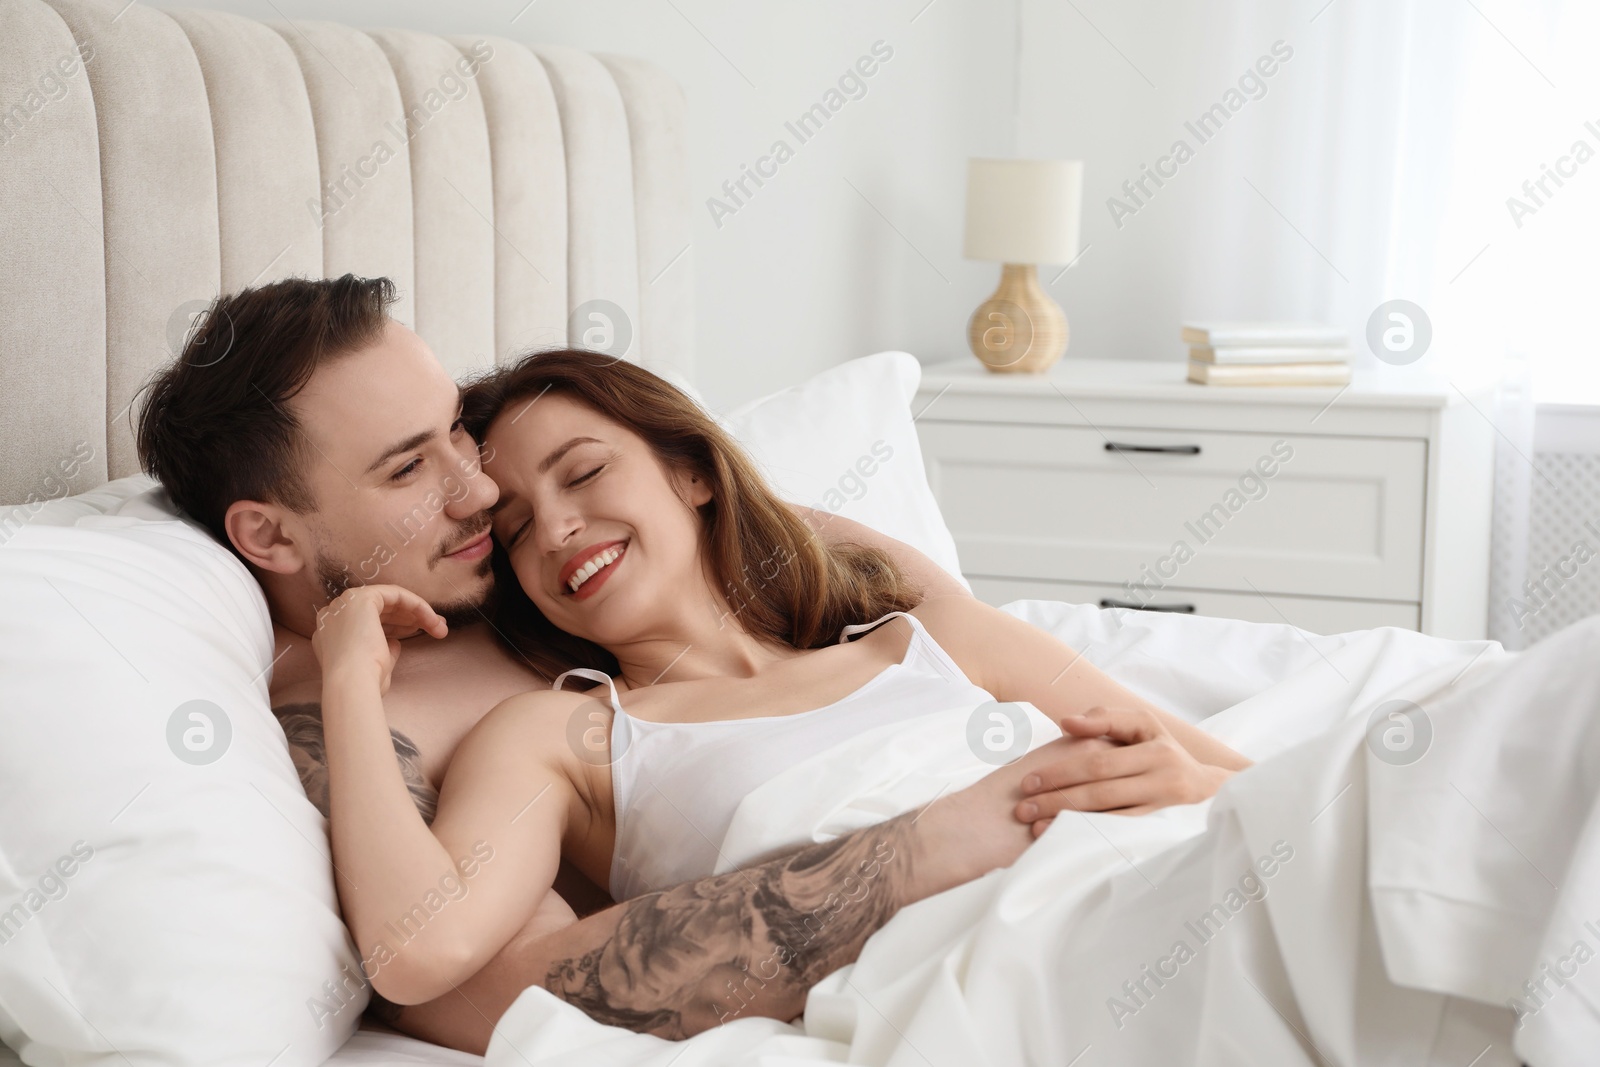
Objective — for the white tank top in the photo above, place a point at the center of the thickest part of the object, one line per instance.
(677, 785)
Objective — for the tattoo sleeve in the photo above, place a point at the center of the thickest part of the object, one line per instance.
(302, 725)
(749, 942)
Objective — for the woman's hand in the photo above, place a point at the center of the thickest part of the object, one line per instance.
(1145, 768)
(361, 629)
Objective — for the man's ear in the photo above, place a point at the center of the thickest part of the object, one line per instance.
(258, 531)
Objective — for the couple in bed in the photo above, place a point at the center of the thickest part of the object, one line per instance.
(575, 520)
(632, 540)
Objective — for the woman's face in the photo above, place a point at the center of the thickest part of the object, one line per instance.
(603, 538)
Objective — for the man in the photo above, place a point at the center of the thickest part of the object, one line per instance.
(320, 440)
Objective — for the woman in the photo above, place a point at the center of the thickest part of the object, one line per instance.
(635, 540)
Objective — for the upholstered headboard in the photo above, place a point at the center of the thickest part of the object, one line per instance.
(150, 159)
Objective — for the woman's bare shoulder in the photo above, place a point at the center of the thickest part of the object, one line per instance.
(979, 637)
(951, 612)
(535, 715)
(533, 700)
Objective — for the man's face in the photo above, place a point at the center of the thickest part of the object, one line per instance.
(400, 498)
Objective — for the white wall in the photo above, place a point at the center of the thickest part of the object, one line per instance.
(1375, 165)
(1114, 84)
(806, 273)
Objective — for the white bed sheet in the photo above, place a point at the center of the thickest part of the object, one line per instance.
(366, 1048)
(378, 1048)
(1419, 896)
(1260, 677)
(1158, 656)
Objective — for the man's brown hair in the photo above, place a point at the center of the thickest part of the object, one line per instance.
(216, 426)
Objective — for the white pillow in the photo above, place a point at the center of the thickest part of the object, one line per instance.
(154, 908)
(844, 442)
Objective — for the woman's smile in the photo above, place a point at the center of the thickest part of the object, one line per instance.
(591, 567)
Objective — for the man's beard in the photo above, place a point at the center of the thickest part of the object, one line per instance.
(336, 578)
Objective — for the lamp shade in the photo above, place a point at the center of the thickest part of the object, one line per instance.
(1023, 210)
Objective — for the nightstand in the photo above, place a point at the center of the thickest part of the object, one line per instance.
(1118, 483)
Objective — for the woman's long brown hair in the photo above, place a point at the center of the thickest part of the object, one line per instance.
(781, 581)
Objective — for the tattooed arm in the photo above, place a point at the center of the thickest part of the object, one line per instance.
(302, 725)
(746, 943)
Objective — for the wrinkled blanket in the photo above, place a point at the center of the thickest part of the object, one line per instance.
(1409, 875)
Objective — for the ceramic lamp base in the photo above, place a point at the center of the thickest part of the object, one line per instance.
(1020, 329)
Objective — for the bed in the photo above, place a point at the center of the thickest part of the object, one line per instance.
(198, 152)
(521, 197)
(150, 159)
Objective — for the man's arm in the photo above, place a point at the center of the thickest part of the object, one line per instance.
(918, 568)
(302, 725)
(747, 943)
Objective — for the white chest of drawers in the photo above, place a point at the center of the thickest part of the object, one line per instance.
(1118, 483)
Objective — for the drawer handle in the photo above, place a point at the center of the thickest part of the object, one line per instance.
(1182, 609)
(1179, 450)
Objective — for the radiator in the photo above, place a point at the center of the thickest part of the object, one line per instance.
(1546, 575)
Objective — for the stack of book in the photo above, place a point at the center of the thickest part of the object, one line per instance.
(1267, 353)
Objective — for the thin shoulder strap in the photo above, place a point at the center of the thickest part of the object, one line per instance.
(861, 627)
(593, 676)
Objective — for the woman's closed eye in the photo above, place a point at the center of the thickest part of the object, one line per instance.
(582, 478)
(527, 524)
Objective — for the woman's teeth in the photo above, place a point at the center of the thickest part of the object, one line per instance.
(588, 570)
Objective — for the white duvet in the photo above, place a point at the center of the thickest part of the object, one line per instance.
(1426, 892)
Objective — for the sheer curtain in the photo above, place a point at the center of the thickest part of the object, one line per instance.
(1495, 194)
(1408, 127)
(1493, 213)
(1445, 152)
(1524, 204)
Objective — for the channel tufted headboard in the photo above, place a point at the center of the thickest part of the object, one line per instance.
(150, 159)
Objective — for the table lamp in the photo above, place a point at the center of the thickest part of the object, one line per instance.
(1021, 212)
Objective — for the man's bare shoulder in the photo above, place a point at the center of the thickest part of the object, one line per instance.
(470, 660)
(294, 664)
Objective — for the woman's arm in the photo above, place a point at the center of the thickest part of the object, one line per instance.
(1158, 758)
(429, 906)
(747, 943)
(921, 571)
